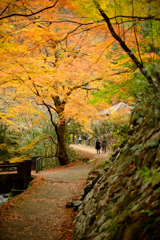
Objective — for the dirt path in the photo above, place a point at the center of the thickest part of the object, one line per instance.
(90, 152)
(39, 212)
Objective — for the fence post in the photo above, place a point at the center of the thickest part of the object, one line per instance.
(38, 164)
(41, 164)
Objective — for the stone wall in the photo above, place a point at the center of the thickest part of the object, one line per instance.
(122, 202)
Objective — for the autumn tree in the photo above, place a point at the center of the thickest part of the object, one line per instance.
(56, 55)
(47, 68)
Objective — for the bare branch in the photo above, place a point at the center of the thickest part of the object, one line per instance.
(136, 17)
(91, 89)
(53, 140)
(4, 9)
(50, 113)
(71, 89)
(29, 15)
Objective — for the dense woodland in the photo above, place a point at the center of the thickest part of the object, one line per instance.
(64, 61)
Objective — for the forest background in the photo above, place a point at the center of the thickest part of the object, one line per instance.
(64, 61)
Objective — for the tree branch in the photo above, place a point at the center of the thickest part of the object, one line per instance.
(4, 9)
(136, 17)
(50, 113)
(71, 89)
(124, 46)
(29, 15)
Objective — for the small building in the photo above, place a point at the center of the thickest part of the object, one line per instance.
(121, 108)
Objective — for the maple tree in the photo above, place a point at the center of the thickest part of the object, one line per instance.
(50, 70)
(54, 56)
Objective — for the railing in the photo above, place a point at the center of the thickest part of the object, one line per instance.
(38, 164)
(8, 165)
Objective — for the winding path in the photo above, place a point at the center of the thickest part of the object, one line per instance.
(40, 213)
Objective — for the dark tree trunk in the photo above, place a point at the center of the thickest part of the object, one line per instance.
(61, 151)
(73, 138)
(60, 130)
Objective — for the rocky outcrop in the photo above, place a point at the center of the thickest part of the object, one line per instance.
(122, 201)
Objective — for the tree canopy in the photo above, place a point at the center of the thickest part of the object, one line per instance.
(56, 55)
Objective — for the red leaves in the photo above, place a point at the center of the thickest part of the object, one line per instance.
(131, 166)
(67, 226)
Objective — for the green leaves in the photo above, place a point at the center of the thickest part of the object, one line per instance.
(151, 175)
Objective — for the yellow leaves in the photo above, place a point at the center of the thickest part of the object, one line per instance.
(87, 8)
(79, 110)
(3, 146)
(40, 67)
(29, 147)
(121, 116)
(18, 159)
(150, 57)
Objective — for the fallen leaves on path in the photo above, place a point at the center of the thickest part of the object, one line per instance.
(40, 212)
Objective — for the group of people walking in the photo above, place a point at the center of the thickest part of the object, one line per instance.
(99, 145)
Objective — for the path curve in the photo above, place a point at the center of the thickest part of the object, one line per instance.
(39, 212)
(91, 152)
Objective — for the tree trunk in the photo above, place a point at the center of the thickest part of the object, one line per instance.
(60, 129)
(73, 138)
(62, 153)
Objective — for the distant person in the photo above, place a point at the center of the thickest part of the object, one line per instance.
(104, 145)
(80, 139)
(85, 139)
(98, 146)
